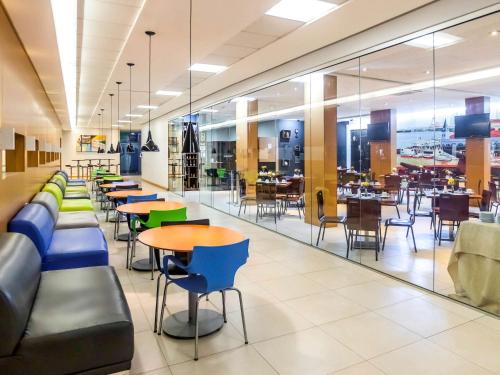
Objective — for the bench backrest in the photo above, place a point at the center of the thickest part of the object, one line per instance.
(20, 267)
(50, 203)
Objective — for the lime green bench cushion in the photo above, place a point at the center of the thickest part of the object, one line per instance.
(112, 178)
(76, 205)
(60, 178)
(76, 189)
(55, 191)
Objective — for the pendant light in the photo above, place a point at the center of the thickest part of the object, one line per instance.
(118, 145)
(190, 145)
(101, 150)
(130, 148)
(149, 145)
(111, 148)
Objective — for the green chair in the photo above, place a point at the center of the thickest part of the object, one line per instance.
(66, 205)
(155, 219)
(70, 189)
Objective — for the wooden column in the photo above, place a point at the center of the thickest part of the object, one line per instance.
(383, 154)
(477, 151)
(320, 145)
(247, 145)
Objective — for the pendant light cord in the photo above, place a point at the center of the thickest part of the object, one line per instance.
(190, 56)
(111, 118)
(130, 103)
(149, 85)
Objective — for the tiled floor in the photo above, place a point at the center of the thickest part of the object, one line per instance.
(309, 312)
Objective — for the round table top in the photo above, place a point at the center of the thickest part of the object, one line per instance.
(143, 208)
(125, 193)
(117, 183)
(184, 238)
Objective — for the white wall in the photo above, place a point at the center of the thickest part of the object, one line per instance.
(155, 164)
(69, 152)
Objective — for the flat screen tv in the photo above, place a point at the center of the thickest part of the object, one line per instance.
(473, 126)
(378, 131)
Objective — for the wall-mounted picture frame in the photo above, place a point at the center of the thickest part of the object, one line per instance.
(90, 142)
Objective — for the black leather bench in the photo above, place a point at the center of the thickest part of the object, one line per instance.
(60, 322)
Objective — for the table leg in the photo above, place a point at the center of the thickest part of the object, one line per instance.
(144, 265)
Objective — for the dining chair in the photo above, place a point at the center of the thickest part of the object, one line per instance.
(453, 209)
(294, 194)
(181, 256)
(155, 218)
(495, 203)
(392, 184)
(484, 204)
(404, 223)
(416, 211)
(324, 219)
(111, 203)
(266, 200)
(363, 215)
(244, 197)
(211, 269)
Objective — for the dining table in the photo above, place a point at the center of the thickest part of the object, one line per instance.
(143, 209)
(474, 265)
(182, 239)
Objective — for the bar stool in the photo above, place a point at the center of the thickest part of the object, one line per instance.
(70, 169)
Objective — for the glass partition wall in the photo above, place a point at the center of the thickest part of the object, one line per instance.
(353, 158)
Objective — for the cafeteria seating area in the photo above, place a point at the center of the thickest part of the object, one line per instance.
(270, 187)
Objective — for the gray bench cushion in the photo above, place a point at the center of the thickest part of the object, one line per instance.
(76, 219)
(49, 201)
(80, 321)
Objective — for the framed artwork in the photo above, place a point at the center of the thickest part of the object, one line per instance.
(90, 143)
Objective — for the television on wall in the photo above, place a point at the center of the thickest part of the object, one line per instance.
(473, 126)
(378, 131)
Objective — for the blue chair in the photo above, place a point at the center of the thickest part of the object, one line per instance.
(131, 219)
(211, 269)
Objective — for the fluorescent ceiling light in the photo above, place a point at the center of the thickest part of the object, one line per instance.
(125, 121)
(242, 99)
(168, 93)
(133, 115)
(145, 106)
(117, 126)
(65, 22)
(301, 10)
(207, 68)
(301, 79)
(436, 40)
(209, 110)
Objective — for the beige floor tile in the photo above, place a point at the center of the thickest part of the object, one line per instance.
(147, 353)
(341, 277)
(474, 342)
(288, 287)
(178, 351)
(241, 361)
(253, 295)
(266, 271)
(364, 368)
(454, 307)
(489, 322)
(425, 358)
(309, 352)
(161, 371)
(374, 294)
(313, 261)
(268, 321)
(422, 317)
(370, 334)
(325, 307)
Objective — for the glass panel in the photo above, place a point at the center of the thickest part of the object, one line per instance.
(397, 113)
(467, 96)
(175, 173)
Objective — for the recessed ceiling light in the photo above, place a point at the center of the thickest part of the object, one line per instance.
(427, 72)
(301, 10)
(494, 33)
(301, 79)
(145, 106)
(133, 115)
(168, 93)
(125, 121)
(242, 99)
(436, 40)
(207, 68)
(364, 69)
(209, 110)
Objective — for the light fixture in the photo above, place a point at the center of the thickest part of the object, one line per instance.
(101, 150)
(149, 145)
(209, 110)
(65, 14)
(111, 147)
(133, 115)
(242, 99)
(146, 106)
(118, 149)
(301, 10)
(168, 93)
(494, 33)
(117, 126)
(207, 68)
(125, 121)
(436, 40)
(130, 147)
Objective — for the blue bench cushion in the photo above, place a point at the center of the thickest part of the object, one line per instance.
(75, 248)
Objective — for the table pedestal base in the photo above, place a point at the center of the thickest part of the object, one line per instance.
(179, 326)
(122, 237)
(143, 265)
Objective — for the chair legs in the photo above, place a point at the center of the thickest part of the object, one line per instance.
(319, 233)
(162, 308)
(156, 305)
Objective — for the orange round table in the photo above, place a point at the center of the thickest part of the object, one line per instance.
(182, 239)
(144, 208)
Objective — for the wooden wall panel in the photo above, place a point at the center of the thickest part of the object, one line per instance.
(247, 143)
(25, 107)
(383, 155)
